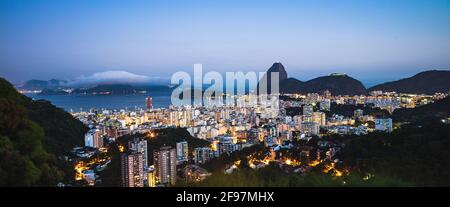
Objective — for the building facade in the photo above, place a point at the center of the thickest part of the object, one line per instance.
(165, 160)
(132, 169)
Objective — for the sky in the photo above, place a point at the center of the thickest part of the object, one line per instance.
(371, 40)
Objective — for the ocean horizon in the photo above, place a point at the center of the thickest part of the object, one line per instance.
(82, 102)
(77, 103)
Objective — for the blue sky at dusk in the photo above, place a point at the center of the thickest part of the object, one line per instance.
(370, 40)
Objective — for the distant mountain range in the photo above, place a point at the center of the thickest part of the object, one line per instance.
(41, 84)
(337, 84)
(428, 82)
(108, 89)
(111, 77)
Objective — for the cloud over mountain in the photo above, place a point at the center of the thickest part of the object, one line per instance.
(114, 77)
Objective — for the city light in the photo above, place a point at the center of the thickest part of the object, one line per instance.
(121, 148)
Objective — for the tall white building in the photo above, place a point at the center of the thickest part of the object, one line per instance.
(93, 139)
(139, 145)
(132, 169)
(165, 161)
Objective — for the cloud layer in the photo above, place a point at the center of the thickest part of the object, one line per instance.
(114, 77)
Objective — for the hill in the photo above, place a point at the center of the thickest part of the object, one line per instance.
(291, 85)
(336, 83)
(48, 91)
(424, 114)
(41, 84)
(34, 135)
(277, 67)
(414, 154)
(428, 82)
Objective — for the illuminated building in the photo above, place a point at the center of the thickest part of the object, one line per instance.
(182, 151)
(241, 135)
(111, 132)
(165, 161)
(202, 155)
(194, 173)
(225, 145)
(148, 103)
(132, 168)
(383, 125)
(253, 135)
(270, 141)
(139, 145)
(319, 118)
(151, 177)
(93, 139)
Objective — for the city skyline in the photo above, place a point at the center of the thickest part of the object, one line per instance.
(224, 102)
(369, 40)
